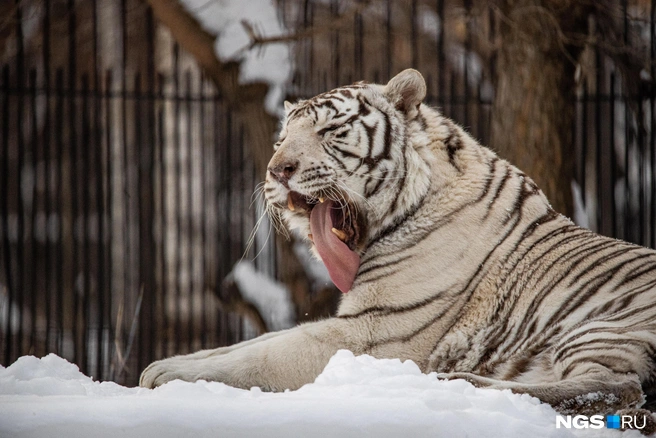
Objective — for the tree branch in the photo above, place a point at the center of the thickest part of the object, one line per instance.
(336, 23)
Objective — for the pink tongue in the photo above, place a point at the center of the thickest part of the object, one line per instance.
(342, 263)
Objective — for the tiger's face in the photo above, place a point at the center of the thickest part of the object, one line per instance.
(339, 167)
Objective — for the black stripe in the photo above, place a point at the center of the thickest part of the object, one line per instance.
(500, 187)
(422, 120)
(569, 349)
(597, 360)
(335, 159)
(601, 261)
(346, 153)
(390, 229)
(650, 268)
(492, 170)
(385, 265)
(400, 182)
(412, 334)
(370, 160)
(379, 183)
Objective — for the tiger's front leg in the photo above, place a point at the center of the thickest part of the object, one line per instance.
(274, 362)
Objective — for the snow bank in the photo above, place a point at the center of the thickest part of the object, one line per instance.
(270, 63)
(271, 297)
(353, 397)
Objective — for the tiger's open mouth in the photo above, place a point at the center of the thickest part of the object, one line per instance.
(337, 232)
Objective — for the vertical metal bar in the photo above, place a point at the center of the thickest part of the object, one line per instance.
(48, 170)
(652, 125)
(453, 98)
(357, 46)
(164, 293)
(203, 202)
(127, 164)
(85, 310)
(584, 135)
(227, 178)
(150, 67)
(20, 265)
(584, 148)
(468, 43)
(641, 172)
(220, 228)
(177, 145)
(480, 113)
(144, 140)
(109, 121)
(4, 215)
(311, 82)
(627, 187)
(239, 247)
(59, 153)
(101, 291)
(613, 157)
(598, 146)
(335, 52)
(413, 34)
(72, 72)
(34, 263)
(143, 228)
(388, 44)
(190, 210)
(441, 65)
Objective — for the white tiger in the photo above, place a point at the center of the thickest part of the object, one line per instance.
(448, 256)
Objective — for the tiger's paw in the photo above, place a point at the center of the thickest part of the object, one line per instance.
(476, 380)
(166, 370)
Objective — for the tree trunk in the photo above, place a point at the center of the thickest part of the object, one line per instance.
(533, 111)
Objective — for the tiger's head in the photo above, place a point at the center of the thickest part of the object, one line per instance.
(344, 169)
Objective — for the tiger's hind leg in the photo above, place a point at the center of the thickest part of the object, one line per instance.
(605, 394)
(586, 395)
(598, 368)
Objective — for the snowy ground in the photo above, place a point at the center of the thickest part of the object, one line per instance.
(353, 397)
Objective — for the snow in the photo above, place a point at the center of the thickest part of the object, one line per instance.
(353, 397)
(270, 63)
(271, 297)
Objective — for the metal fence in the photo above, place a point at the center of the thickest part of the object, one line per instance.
(125, 183)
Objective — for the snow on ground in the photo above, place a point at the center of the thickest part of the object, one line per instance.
(353, 397)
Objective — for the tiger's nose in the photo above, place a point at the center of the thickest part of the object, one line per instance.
(283, 172)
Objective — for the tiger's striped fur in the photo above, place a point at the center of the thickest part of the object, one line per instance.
(464, 266)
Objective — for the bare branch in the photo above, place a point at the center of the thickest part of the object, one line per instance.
(337, 23)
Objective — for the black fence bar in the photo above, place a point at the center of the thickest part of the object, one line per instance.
(7, 276)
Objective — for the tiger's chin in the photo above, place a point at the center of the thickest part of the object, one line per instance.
(337, 232)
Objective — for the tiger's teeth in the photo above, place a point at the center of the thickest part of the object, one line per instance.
(310, 237)
(339, 233)
(321, 199)
(290, 203)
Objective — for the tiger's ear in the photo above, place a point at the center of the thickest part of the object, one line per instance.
(406, 91)
(288, 106)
